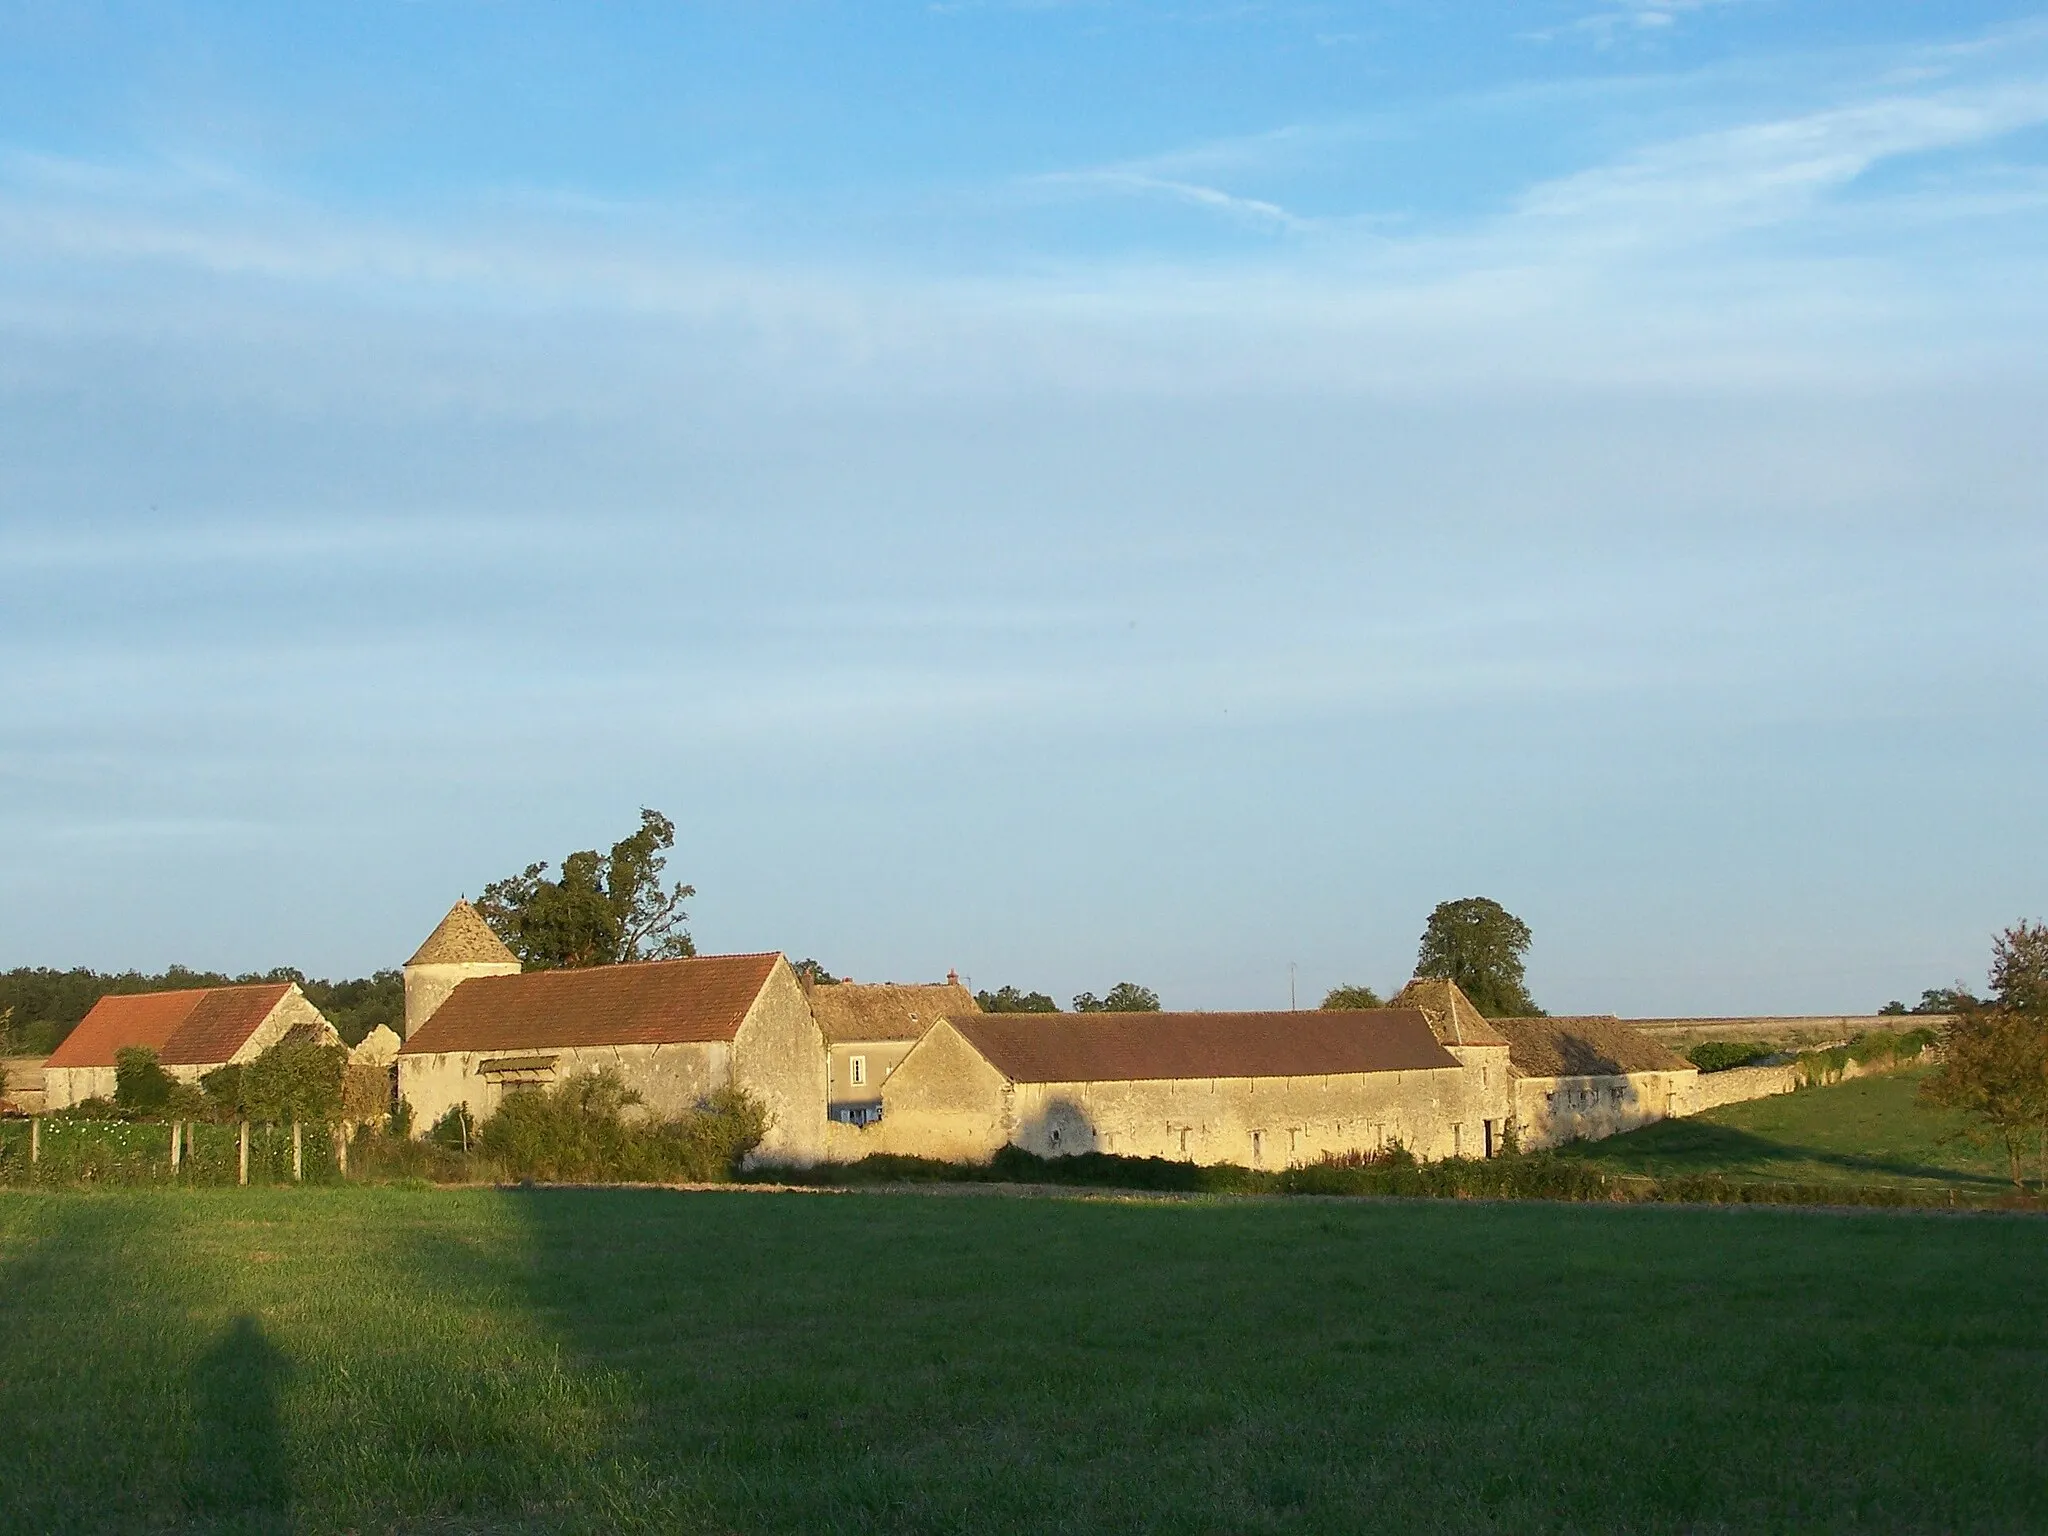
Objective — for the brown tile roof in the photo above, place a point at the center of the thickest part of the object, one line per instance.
(653, 1002)
(1449, 1011)
(1143, 1047)
(463, 938)
(1583, 1047)
(200, 1027)
(886, 1010)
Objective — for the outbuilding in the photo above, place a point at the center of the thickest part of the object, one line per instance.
(192, 1032)
(676, 1031)
(1265, 1090)
(1579, 1079)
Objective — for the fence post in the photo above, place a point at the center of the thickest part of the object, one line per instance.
(341, 1149)
(297, 1166)
(245, 1153)
(35, 1140)
(174, 1146)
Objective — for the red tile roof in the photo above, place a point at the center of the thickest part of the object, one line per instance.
(199, 1027)
(221, 1025)
(655, 1002)
(1141, 1047)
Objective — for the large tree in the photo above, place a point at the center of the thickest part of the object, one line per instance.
(1994, 1057)
(1124, 997)
(1479, 944)
(1351, 996)
(603, 909)
(1010, 1000)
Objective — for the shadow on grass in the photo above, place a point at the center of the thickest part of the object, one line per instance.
(1692, 1146)
(238, 1463)
(89, 1408)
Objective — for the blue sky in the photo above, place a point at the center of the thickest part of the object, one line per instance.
(1071, 492)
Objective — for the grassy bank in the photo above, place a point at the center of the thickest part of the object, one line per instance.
(1869, 1132)
(329, 1359)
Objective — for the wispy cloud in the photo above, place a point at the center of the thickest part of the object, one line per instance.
(1125, 182)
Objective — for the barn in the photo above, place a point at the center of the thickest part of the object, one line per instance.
(191, 1031)
(1265, 1090)
(675, 1031)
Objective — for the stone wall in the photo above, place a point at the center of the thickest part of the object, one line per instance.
(881, 1057)
(943, 1101)
(779, 1058)
(1550, 1111)
(1271, 1122)
(946, 1101)
(669, 1078)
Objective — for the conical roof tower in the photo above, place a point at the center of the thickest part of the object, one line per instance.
(460, 948)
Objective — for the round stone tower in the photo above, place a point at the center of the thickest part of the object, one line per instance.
(462, 947)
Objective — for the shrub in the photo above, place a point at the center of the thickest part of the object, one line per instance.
(400, 1123)
(293, 1081)
(579, 1129)
(1720, 1055)
(141, 1086)
(223, 1089)
(454, 1130)
(94, 1108)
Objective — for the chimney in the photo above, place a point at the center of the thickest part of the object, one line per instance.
(952, 978)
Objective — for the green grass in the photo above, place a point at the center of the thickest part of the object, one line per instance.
(1871, 1131)
(377, 1359)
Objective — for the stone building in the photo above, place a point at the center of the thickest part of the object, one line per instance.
(1473, 1041)
(1579, 1079)
(869, 1027)
(1262, 1089)
(192, 1032)
(675, 1030)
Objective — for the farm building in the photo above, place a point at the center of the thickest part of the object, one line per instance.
(1261, 1089)
(675, 1030)
(869, 1027)
(192, 1032)
(1584, 1078)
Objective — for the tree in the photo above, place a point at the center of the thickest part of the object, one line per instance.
(1351, 995)
(1994, 1063)
(1478, 944)
(1124, 997)
(606, 908)
(1934, 1000)
(1010, 1000)
(808, 970)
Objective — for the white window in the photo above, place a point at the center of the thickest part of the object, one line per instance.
(857, 1071)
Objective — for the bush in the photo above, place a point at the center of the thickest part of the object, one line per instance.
(1720, 1055)
(141, 1086)
(579, 1129)
(455, 1130)
(94, 1108)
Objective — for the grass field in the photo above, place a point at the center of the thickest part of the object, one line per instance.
(372, 1359)
(1873, 1130)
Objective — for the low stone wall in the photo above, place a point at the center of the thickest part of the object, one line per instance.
(1738, 1085)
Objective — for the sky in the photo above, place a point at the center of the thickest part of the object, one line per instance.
(1067, 492)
